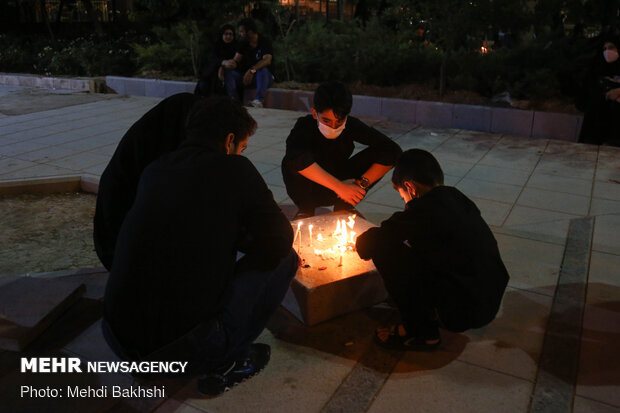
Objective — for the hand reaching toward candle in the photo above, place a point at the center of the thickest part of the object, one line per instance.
(350, 192)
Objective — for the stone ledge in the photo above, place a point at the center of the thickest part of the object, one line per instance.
(48, 185)
(508, 121)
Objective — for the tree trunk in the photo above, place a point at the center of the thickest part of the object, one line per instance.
(92, 16)
(442, 76)
(296, 9)
(326, 11)
(46, 19)
(61, 5)
(340, 9)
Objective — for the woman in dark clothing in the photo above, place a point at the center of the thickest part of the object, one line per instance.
(601, 122)
(212, 74)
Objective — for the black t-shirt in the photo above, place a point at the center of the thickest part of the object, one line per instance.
(251, 55)
(450, 244)
(306, 145)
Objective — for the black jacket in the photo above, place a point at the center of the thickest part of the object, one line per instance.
(177, 247)
(159, 131)
(450, 243)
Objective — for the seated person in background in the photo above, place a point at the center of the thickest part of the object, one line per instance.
(252, 64)
(317, 168)
(601, 106)
(176, 291)
(212, 73)
(438, 258)
(159, 131)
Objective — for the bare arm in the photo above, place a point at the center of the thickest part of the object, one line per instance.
(376, 172)
(347, 190)
(264, 62)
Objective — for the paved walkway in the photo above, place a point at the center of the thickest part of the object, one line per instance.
(533, 193)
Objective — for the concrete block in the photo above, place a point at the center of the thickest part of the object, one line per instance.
(116, 83)
(400, 110)
(44, 82)
(366, 106)
(471, 117)
(174, 87)
(561, 126)
(325, 289)
(190, 87)
(29, 305)
(68, 183)
(435, 114)
(155, 88)
(90, 184)
(135, 87)
(512, 121)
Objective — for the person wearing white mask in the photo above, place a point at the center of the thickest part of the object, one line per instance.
(601, 122)
(318, 169)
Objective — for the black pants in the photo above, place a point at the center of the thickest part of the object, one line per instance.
(253, 297)
(308, 195)
(424, 300)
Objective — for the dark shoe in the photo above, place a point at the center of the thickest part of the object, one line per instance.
(213, 384)
(394, 341)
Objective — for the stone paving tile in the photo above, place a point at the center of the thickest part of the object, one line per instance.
(411, 141)
(498, 175)
(454, 168)
(515, 159)
(17, 148)
(584, 405)
(511, 343)
(599, 365)
(279, 193)
(608, 175)
(555, 201)
(533, 265)
(604, 207)
(606, 234)
(521, 144)
(80, 161)
(489, 190)
(603, 189)
(436, 384)
(493, 212)
(10, 165)
(37, 171)
(538, 224)
(47, 154)
(464, 150)
(274, 177)
(385, 195)
(377, 213)
(267, 155)
(560, 184)
(297, 375)
(572, 168)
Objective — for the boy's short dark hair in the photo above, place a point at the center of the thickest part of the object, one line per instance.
(333, 95)
(417, 165)
(212, 119)
(249, 24)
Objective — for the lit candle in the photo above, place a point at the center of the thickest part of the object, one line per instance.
(299, 238)
(310, 229)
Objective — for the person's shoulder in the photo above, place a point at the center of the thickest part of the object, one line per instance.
(305, 122)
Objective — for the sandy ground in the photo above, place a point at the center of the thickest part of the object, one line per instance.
(41, 233)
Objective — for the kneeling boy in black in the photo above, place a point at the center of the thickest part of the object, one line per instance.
(176, 291)
(438, 258)
(317, 170)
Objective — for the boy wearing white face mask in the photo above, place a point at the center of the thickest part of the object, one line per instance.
(438, 258)
(318, 169)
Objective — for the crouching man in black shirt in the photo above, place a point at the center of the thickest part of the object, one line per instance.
(176, 291)
(438, 258)
(317, 170)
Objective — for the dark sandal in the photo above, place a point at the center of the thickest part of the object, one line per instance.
(407, 343)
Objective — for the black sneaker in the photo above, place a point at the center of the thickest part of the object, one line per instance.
(213, 384)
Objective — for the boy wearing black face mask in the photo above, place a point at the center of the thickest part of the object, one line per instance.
(318, 169)
(438, 258)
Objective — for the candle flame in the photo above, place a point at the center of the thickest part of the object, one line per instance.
(319, 237)
(344, 239)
